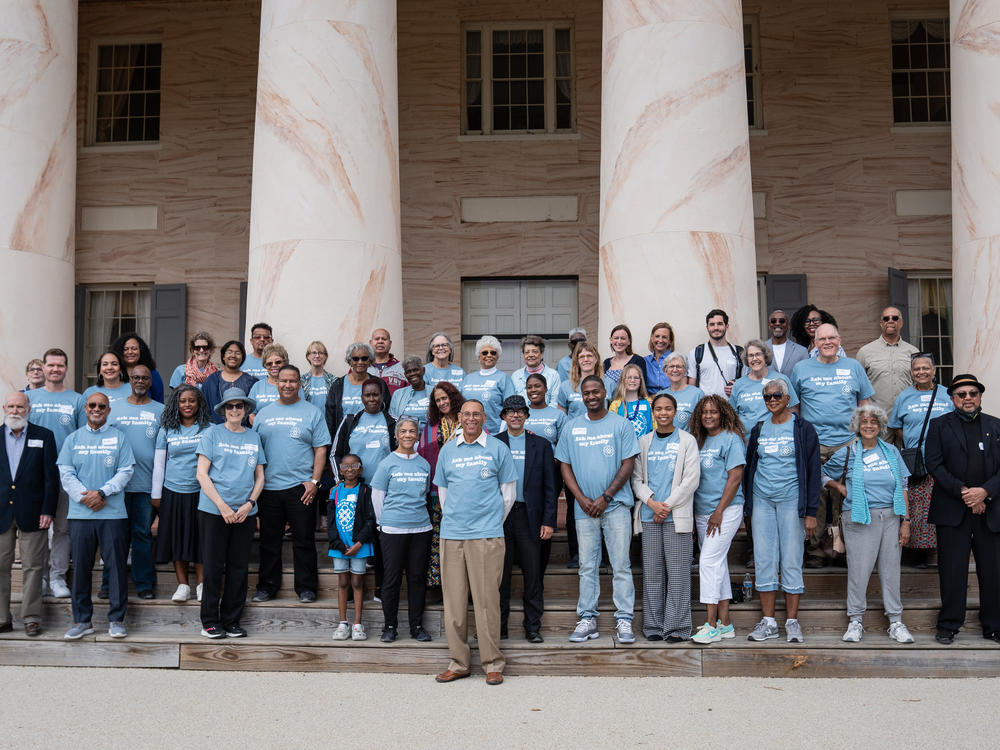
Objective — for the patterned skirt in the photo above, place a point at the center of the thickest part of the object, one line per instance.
(923, 535)
(434, 565)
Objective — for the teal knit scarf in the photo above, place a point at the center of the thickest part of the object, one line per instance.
(860, 513)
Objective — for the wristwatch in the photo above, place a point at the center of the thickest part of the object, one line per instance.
(314, 481)
(607, 498)
(101, 493)
(253, 503)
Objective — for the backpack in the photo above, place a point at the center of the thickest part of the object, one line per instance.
(699, 355)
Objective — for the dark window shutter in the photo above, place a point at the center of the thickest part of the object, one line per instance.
(168, 326)
(785, 292)
(243, 311)
(899, 296)
(80, 312)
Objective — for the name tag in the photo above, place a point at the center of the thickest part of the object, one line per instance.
(40, 444)
(981, 447)
(843, 372)
(147, 415)
(373, 444)
(770, 449)
(873, 457)
(579, 430)
(109, 442)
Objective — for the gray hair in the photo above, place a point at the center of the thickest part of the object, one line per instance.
(412, 360)
(676, 356)
(451, 346)
(574, 331)
(776, 386)
(768, 354)
(403, 420)
(489, 341)
(870, 410)
(354, 347)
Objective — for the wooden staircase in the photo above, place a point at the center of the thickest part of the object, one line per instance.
(285, 634)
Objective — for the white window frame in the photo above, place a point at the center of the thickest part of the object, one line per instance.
(915, 310)
(89, 353)
(486, 70)
(930, 126)
(753, 21)
(90, 134)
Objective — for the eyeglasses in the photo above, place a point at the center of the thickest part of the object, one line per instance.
(965, 394)
(34, 369)
(776, 321)
(261, 337)
(755, 355)
(472, 414)
(887, 318)
(313, 354)
(488, 352)
(201, 348)
(814, 321)
(441, 346)
(360, 359)
(141, 378)
(345, 467)
(772, 396)
(99, 407)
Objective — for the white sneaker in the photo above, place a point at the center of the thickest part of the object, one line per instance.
(198, 589)
(585, 630)
(854, 631)
(59, 589)
(358, 633)
(899, 633)
(182, 594)
(707, 634)
(342, 633)
(624, 631)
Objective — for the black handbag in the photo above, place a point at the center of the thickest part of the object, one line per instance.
(914, 457)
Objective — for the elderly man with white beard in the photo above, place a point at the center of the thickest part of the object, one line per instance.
(30, 481)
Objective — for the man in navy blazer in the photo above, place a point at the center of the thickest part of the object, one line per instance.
(962, 452)
(30, 481)
(532, 519)
(786, 352)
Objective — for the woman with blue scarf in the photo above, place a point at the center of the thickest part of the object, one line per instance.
(871, 476)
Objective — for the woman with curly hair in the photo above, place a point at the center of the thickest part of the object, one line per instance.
(175, 484)
(442, 424)
(135, 351)
(803, 325)
(718, 508)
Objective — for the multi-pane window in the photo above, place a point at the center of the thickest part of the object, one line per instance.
(126, 93)
(921, 65)
(518, 79)
(751, 58)
(109, 312)
(929, 325)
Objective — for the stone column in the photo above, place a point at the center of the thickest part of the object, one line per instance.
(975, 180)
(324, 218)
(38, 191)
(676, 235)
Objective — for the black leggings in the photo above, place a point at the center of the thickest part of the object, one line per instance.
(410, 552)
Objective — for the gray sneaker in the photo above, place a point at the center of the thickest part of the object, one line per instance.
(585, 630)
(79, 630)
(854, 632)
(793, 631)
(623, 630)
(764, 631)
(117, 630)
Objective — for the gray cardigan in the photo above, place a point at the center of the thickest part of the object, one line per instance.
(687, 474)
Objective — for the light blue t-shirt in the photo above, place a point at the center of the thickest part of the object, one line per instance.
(491, 390)
(405, 482)
(289, 434)
(547, 423)
(97, 457)
(234, 457)
(181, 445)
(719, 455)
(595, 450)
(472, 474)
(177, 376)
(747, 398)
(829, 394)
(879, 481)
(59, 411)
(687, 398)
(406, 402)
(350, 398)
(264, 394)
(776, 477)
(370, 442)
(910, 409)
(451, 374)
(115, 395)
(140, 425)
(345, 509)
(316, 392)
(563, 368)
(254, 366)
(661, 462)
(516, 446)
(569, 398)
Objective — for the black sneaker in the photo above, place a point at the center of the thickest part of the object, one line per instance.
(389, 634)
(213, 632)
(261, 596)
(574, 562)
(235, 631)
(418, 633)
(103, 593)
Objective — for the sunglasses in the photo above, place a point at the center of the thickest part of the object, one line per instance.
(488, 352)
(965, 394)
(773, 396)
(922, 355)
(778, 321)
(235, 405)
(200, 348)
(99, 407)
(360, 359)
(887, 318)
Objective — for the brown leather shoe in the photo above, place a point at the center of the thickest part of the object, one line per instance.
(449, 676)
(494, 678)
(32, 629)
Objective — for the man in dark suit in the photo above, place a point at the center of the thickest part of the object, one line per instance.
(786, 352)
(28, 474)
(531, 520)
(963, 455)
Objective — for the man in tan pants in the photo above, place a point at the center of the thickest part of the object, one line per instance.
(477, 486)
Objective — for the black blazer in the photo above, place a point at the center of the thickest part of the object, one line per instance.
(946, 454)
(34, 491)
(540, 490)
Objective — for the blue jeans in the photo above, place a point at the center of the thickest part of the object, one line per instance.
(778, 540)
(616, 524)
(140, 516)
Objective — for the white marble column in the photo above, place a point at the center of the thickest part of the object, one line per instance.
(975, 180)
(38, 189)
(676, 207)
(324, 220)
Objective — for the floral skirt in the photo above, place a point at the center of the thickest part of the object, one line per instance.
(923, 535)
(434, 565)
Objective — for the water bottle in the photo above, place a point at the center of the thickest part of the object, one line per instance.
(747, 588)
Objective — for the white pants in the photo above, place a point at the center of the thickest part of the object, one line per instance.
(713, 565)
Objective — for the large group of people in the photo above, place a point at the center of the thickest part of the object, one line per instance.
(447, 479)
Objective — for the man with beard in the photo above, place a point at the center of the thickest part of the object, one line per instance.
(713, 366)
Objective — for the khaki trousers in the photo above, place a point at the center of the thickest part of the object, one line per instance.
(476, 565)
(827, 497)
(34, 546)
